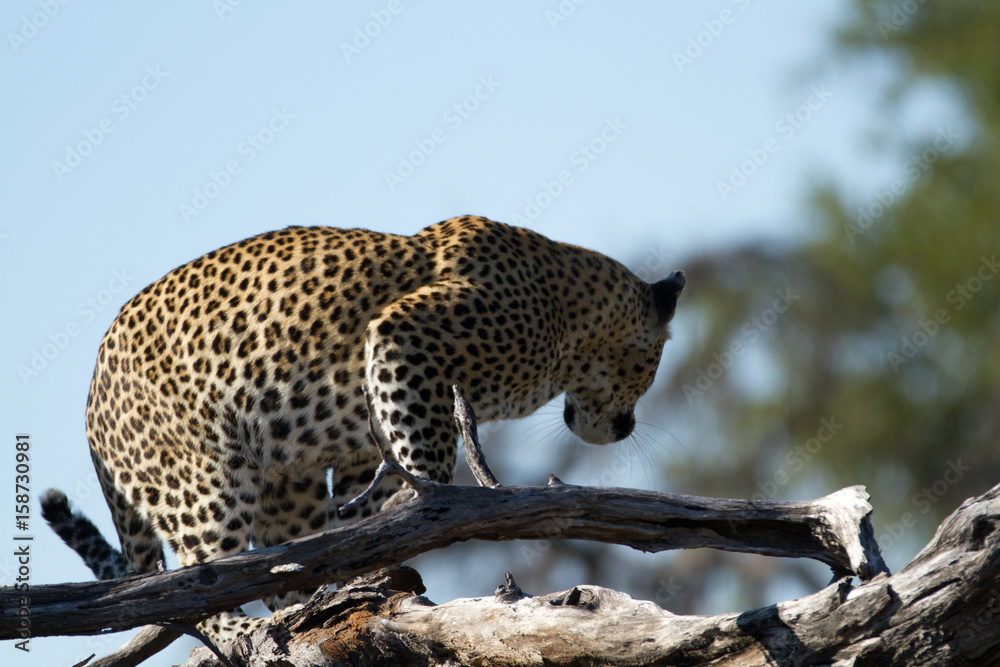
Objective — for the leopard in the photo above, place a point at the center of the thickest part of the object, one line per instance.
(228, 392)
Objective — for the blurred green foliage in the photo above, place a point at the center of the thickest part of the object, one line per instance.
(892, 334)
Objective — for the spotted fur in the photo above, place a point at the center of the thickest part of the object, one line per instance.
(224, 391)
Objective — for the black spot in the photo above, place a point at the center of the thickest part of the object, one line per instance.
(271, 400)
(280, 429)
(623, 424)
(240, 322)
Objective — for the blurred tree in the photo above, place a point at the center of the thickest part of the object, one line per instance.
(867, 355)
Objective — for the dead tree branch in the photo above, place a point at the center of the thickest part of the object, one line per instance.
(940, 610)
(465, 419)
(834, 530)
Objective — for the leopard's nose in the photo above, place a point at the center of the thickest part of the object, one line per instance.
(623, 425)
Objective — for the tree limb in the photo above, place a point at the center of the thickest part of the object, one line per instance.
(940, 610)
(834, 530)
(465, 419)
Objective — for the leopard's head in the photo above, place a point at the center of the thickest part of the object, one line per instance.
(617, 360)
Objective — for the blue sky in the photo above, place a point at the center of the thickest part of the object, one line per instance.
(141, 135)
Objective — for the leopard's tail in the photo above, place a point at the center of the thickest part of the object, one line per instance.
(82, 536)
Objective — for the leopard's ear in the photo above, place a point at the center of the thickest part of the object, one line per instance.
(665, 294)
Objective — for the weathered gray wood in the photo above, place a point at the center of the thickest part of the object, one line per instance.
(942, 609)
(146, 643)
(831, 530)
(465, 419)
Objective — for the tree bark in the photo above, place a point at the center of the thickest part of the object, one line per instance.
(834, 530)
(942, 609)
